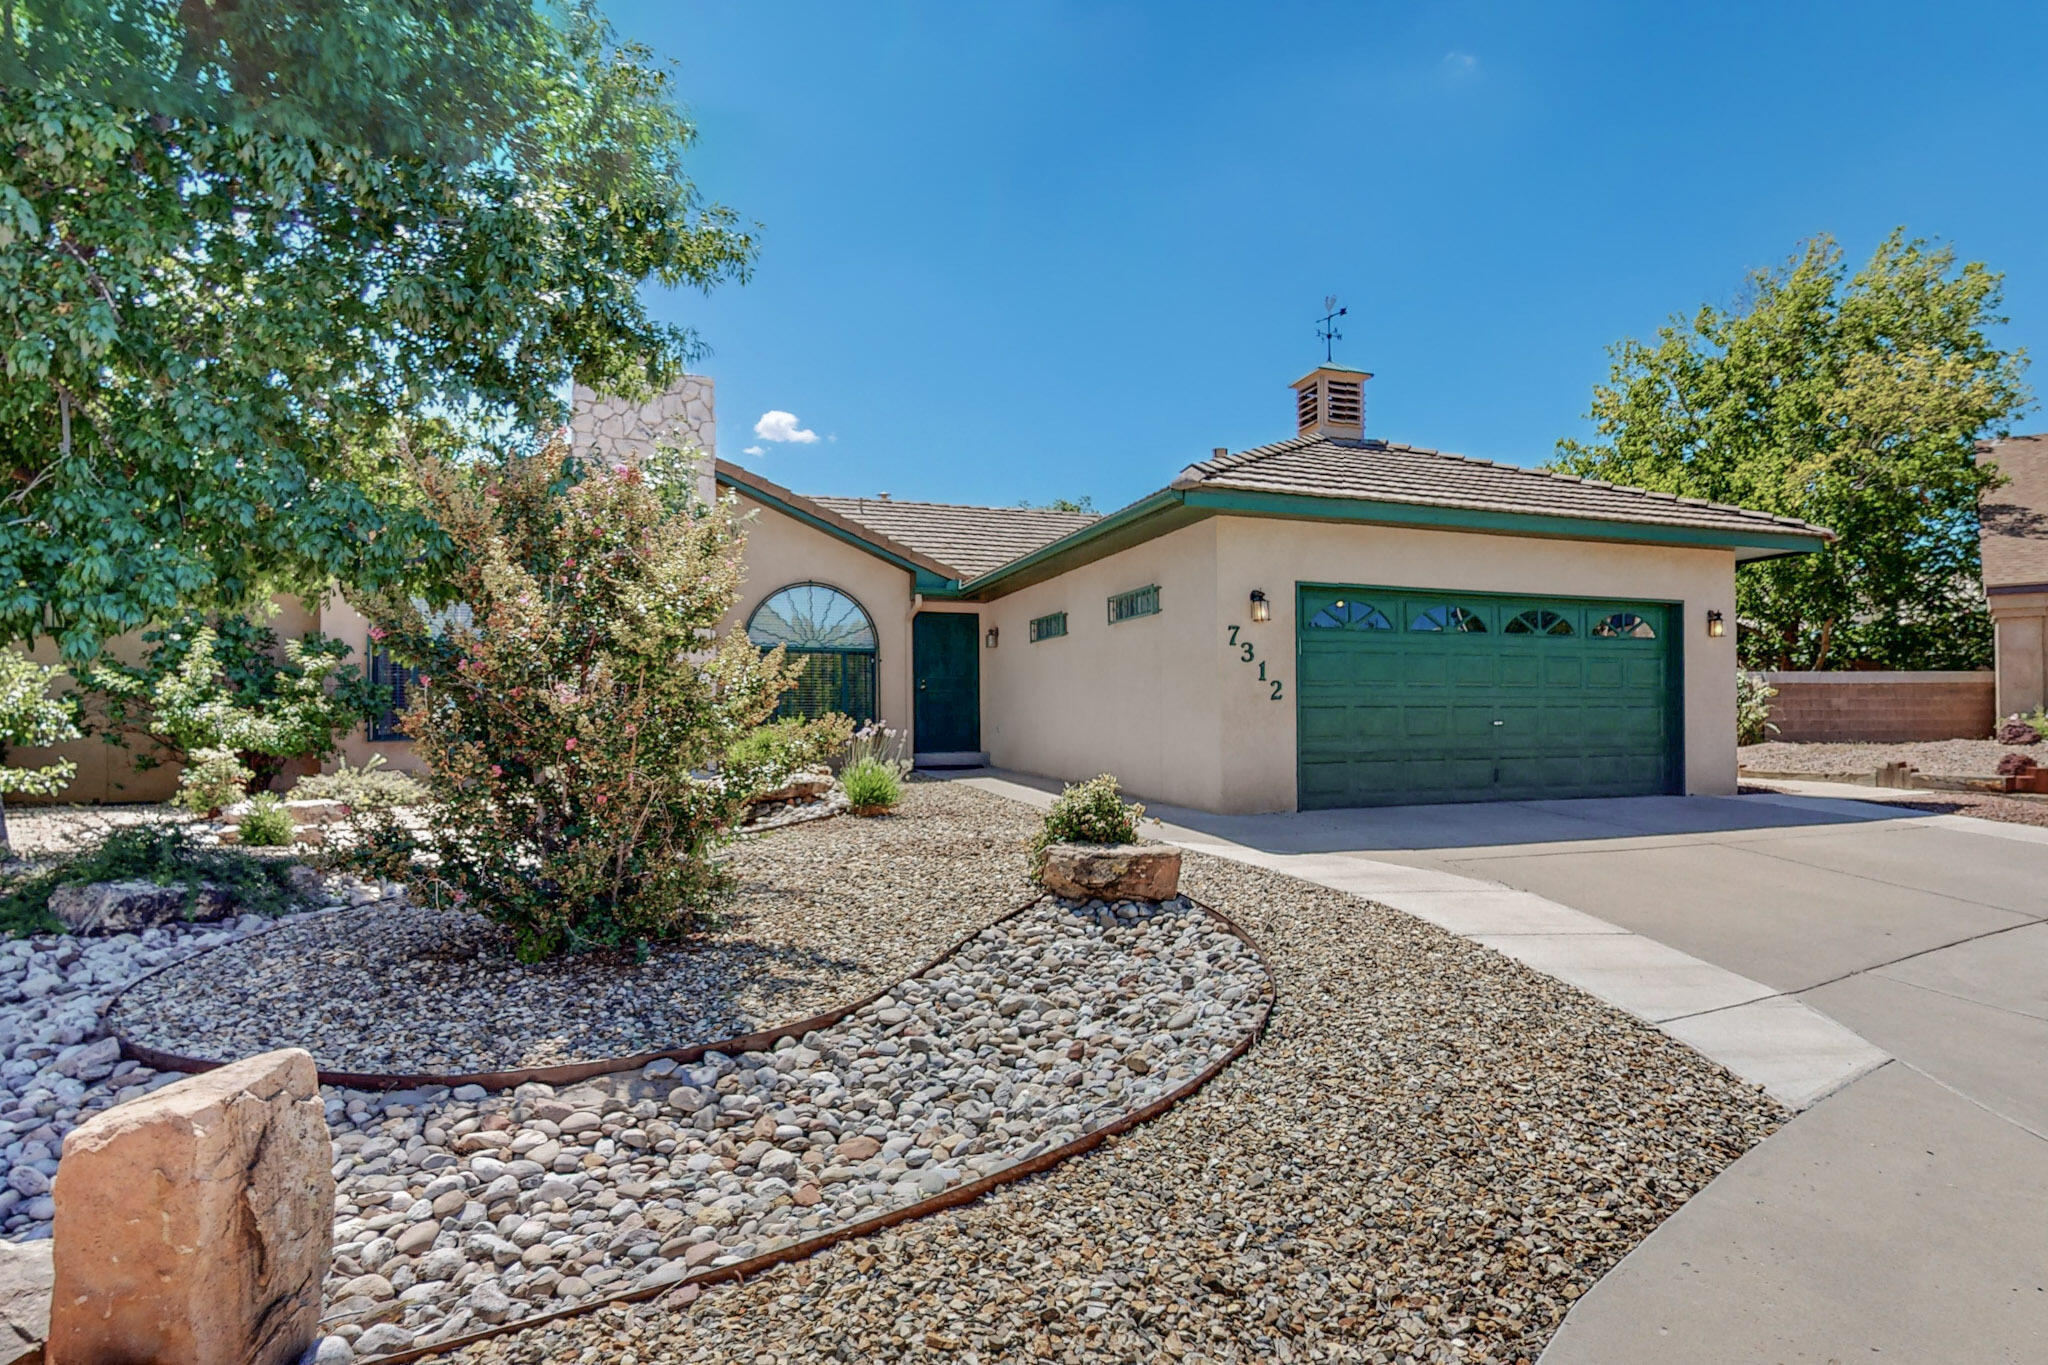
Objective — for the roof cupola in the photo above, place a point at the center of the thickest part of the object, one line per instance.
(1329, 401)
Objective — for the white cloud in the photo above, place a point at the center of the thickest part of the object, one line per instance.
(777, 425)
(1460, 63)
(755, 450)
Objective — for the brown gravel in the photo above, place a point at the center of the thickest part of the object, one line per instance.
(827, 913)
(1941, 758)
(41, 831)
(1431, 1154)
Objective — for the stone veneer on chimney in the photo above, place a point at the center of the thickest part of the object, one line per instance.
(682, 416)
(1330, 401)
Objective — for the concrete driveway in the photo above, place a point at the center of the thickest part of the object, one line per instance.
(1883, 971)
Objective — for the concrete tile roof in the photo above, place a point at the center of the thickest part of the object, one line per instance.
(972, 540)
(2013, 532)
(1381, 471)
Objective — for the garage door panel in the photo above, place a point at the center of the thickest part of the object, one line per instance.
(1549, 710)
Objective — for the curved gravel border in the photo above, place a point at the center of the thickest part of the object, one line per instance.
(1040, 1037)
(827, 914)
(1432, 1152)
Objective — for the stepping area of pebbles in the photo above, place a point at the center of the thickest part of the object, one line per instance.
(461, 1210)
(827, 913)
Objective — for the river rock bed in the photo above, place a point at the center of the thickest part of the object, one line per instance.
(826, 913)
(458, 1210)
(1431, 1153)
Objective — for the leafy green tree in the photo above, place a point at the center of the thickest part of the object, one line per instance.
(248, 251)
(31, 717)
(1853, 402)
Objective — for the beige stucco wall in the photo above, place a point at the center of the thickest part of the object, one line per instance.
(2020, 623)
(1138, 699)
(1169, 707)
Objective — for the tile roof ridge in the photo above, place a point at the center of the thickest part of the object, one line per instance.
(947, 506)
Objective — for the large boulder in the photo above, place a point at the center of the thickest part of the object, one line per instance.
(130, 907)
(194, 1225)
(24, 1299)
(1112, 872)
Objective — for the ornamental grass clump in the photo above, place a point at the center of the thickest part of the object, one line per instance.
(1091, 812)
(570, 715)
(872, 776)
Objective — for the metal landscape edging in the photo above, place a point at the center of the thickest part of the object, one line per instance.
(953, 1198)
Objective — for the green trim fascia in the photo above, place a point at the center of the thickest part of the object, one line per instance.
(928, 583)
(1245, 502)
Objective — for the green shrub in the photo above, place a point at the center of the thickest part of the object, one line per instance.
(167, 855)
(568, 723)
(228, 684)
(1753, 708)
(212, 779)
(872, 786)
(1091, 812)
(768, 755)
(268, 824)
(370, 787)
(30, 717)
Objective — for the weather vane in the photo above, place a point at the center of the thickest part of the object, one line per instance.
(1326, 329)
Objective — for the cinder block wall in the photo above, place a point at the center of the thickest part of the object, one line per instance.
(1883, 707)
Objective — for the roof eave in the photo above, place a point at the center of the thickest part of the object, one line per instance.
(929, 576)
(1759, 543)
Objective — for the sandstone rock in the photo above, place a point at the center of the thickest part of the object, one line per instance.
(130, 907)
(195, 1224)
(807, 786)
(1112, 872)
(311, 812)
(24, 1299)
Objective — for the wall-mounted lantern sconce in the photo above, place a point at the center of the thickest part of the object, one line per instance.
(1262, 610)
(1716, 627)
(990, 638)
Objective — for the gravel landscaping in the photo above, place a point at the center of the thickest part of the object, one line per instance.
(1430, 1154)
(1939, 758)
(828, 912)
(60, 1065)
(459, 1211)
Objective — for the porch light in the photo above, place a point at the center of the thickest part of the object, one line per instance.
(1262, 610)
(990, 638)
(1716, 627)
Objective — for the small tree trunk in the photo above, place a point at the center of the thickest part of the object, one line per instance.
(1827, 633)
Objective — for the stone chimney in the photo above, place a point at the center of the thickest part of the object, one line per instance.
(682, 416)
(1329, 401)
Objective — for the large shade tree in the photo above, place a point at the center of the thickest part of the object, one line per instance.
(250, 248)
(1852, 401)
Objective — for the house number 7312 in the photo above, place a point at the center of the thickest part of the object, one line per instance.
(1246, 654)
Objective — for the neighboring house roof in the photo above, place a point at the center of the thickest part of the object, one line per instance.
(1384, 472)
(2013, 526)
(972, 540)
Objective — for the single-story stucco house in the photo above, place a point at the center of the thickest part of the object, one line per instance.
(1329, 620)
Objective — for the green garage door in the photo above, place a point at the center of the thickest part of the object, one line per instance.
(1407, 696)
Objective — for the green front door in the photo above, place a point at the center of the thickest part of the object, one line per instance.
(946, 672)
(1407, 696)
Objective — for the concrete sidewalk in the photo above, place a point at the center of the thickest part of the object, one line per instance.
(1800, 940)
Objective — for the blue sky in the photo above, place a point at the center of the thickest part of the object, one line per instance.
(1040, 250)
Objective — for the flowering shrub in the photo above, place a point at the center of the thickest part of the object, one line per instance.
(1753, 708)
(227, 695)
(369, 787)
(1091, 812)
(31, 717)
(569, 718)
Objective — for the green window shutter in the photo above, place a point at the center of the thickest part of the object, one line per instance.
(1049, 627)
(1126, 606)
